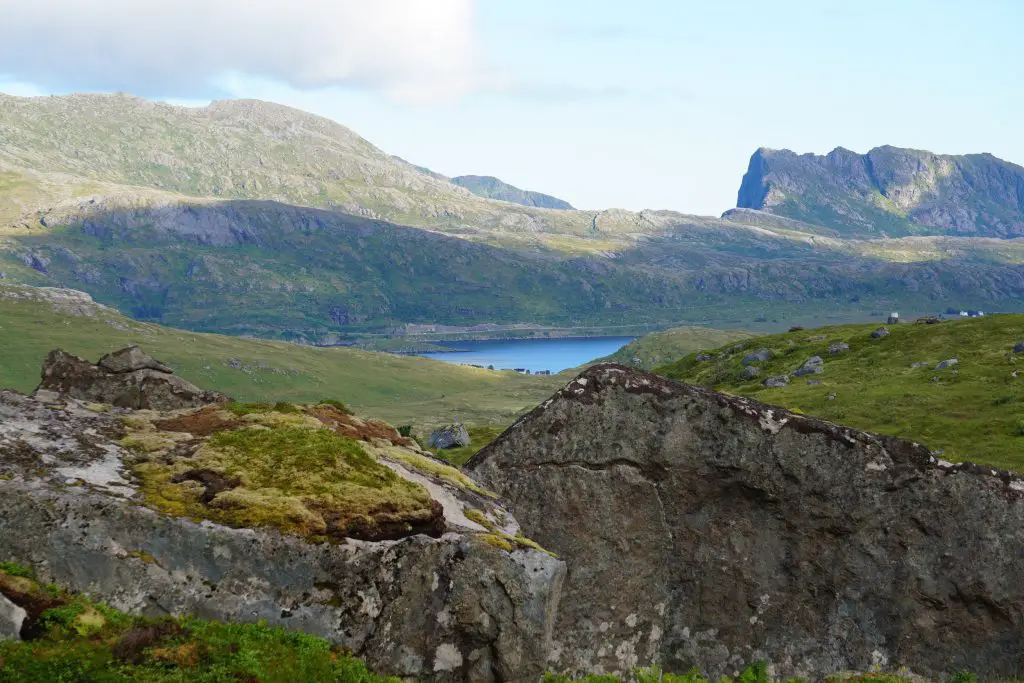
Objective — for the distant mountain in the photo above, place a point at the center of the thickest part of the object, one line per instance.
(492, 188)
(889, 192)
(252, 218)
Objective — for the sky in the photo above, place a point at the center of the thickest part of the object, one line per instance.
(650, 104)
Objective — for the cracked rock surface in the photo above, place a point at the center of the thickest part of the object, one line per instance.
(701, 529)
(450, 608)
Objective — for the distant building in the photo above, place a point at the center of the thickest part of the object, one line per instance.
(894, 318)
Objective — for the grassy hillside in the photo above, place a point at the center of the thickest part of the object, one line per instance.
(399, 389)
(659, 348)
(973, 410)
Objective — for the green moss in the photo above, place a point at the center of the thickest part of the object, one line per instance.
(439, 470)
(15, 569)
(339, 405)
(300, 480)
(479, 517)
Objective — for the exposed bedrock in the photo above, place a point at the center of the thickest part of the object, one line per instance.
(708, 530)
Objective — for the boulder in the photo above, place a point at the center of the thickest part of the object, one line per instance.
(947, 363)
(11, 619)
(920, 364)
(1019, 347)
(777, 381)
(143, 387)
(838, 347)
(705, 357)
(130, 359)
(454, 435)
(750, 372)
(708, 530)
(759, 356)
(466, 605)
(812, 366)
(880, 332)
(813, 382)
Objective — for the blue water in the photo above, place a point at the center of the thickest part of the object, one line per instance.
(533, 354)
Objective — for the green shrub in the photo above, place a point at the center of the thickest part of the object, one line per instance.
(15, 569)
(242, 409)
(336, 404)
(405, 430)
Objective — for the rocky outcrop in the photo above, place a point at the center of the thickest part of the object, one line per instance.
(889, 191)
(467, 605)
(702, 529)
(126, 379)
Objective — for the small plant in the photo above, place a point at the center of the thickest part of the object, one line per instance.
(1019, 431)
(336, 404)
(15, 569)
(242, 409)
(284, 407)
(405, 430)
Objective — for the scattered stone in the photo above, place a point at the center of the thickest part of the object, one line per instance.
(1019, 347)
(11, 619)
(927, 320)
(139, 389)
(750, 372)
(838, 347)
(813, 366)
(935, 378)
(777, 381)
(130, 359)
(880, 332)
(454, 435)
(813, 382)
(947, 364)
(830, 397)
(920, 364)
(816, 338)
(704, 357)
(759, 356)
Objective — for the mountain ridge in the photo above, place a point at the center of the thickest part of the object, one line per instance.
(889, 191)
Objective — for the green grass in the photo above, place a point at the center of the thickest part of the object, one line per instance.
(398, 389)
(971, 411)
(479, 437)
(659, 348)
(86, 641)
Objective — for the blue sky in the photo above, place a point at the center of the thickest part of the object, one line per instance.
(647, 104)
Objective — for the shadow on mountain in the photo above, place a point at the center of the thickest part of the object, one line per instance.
(271, 269)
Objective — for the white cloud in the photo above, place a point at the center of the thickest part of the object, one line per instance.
(410, 49)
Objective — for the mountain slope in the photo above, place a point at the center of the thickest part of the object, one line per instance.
(493, 188)
(889, 191)
(973, 410)
(399, 389)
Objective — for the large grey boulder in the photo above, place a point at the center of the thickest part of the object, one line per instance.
(750, 372)
(11, 619)
(130, 359)
(702, 529)
(759, 356)
(947, 363)
(812, 366)
(454, 435)
(452, 608)
(126, 379)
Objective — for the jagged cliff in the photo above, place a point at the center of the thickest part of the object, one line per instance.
(708, 530)
(494, 188)
(889, 191)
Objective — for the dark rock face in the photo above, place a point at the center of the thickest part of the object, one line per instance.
(712, 530)
(130, 359)
(126, 379)
(449, 436)
(493, 188)
(889, 190)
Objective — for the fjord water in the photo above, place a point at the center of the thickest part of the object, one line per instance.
(531, 354)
